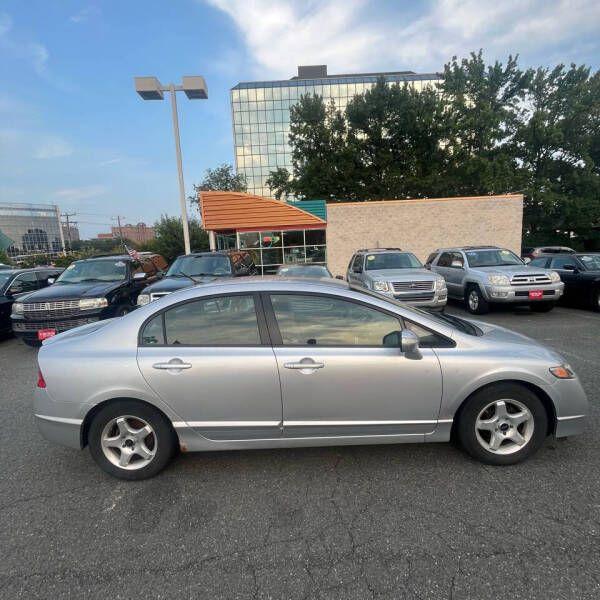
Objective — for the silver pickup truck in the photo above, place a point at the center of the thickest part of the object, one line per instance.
(483, 275)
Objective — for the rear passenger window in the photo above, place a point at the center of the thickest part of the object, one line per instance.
(220, 321)
(430, 259)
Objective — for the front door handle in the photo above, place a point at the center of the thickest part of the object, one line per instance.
(305, 366)
(173, 366)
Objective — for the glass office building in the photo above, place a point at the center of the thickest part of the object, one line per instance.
(261, 114)
(29, 229)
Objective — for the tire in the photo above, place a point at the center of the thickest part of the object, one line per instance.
(32, 343)
(483, 408)
(117, 424)
(542, 307)
(475, 302)
(596, 300)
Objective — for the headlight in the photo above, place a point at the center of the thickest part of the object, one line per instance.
(554, 277)
(498, 279)
(17, 308)
(562, 372)
(143, 299)
(89, 303)
(381, 286)
(440, 284)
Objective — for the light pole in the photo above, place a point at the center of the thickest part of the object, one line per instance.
(150, 88)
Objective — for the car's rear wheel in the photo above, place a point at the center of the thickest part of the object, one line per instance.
(476, 303)
(502, 424)
(131, 440)
(542, 307)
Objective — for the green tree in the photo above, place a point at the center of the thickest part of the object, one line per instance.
(220, 179)
(169, 237)
(4, 259)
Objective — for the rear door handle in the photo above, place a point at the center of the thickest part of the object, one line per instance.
(305, 366)
(174, 365)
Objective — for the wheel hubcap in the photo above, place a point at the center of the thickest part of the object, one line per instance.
(504, 426)
(129, 442)
(473, 300)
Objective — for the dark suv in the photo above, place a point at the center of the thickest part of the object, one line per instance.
(87, 291)
(200, 267)
(15, 283)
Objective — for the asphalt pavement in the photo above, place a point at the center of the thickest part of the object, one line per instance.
(406, 521)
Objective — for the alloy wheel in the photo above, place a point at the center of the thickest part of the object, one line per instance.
(504, 426)
(473, 300)
(129, 442)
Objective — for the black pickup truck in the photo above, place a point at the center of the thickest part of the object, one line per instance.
(88, 290)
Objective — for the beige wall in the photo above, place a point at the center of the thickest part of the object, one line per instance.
(421, 226)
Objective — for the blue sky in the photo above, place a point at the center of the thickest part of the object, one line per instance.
(73, 131)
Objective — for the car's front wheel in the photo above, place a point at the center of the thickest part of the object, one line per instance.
(502, 424)
(476, 303)
(131, 440)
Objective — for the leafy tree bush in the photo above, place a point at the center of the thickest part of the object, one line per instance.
(169, 237)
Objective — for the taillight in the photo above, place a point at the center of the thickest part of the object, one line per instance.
(41, 382)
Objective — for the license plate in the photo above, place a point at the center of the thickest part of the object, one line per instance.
(536, 294)
(44, 334)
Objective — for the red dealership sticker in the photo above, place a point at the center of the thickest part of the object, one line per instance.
(44, 334)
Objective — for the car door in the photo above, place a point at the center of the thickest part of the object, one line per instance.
(355, 271)
(455, 274)
(568, 269)
(338, 378)
(210, 359)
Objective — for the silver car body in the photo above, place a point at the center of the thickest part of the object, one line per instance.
(521, 280)
(417, 287)
(248, 397)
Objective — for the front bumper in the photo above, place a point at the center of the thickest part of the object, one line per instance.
(27, 328)
(515, 294)
(436, 299)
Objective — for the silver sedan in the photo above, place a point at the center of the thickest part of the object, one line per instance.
(274, 363)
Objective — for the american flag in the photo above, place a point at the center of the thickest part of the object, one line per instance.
(132, 252)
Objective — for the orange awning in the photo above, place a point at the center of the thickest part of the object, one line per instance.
(246, 212)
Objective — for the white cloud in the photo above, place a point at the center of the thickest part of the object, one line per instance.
(357, 35)
(52, 147)
(34, 53)
(75, 194)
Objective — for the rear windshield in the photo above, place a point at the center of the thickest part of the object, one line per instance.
(194, 266)
(85, 271)
(304, 271)
(492, 258)
(392, 260)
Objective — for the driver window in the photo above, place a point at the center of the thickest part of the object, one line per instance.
(445, 259)
(26, 282)
(561, 263)
(357, 264)
(314, 320)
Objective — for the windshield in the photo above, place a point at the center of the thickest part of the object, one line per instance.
(392, 260)
(492, 258)
(590, 261)
(441, 318)
(193, 266)
(304, 271)
(94, 270)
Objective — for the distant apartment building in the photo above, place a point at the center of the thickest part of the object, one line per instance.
(70, 233)
(140, 233)
(30, 229)
(261, 114)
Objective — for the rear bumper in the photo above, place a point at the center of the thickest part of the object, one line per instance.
(58, 422)
(551, 293)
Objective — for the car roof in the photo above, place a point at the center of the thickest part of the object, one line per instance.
(375, 250)
(28, 269)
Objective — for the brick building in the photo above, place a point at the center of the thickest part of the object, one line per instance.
(139, 233)
(315, 232)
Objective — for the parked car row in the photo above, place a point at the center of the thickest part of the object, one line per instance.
(39, 303)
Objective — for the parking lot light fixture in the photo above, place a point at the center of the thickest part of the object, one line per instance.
(150, 88)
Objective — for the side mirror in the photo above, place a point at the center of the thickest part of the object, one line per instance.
(50, 280)
(341, 277)
(140, 276)
(409, 343)
(456, 264)
(527, 260)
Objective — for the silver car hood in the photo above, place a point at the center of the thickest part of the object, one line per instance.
(402, 274)
(511, 270)
(522, 344)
